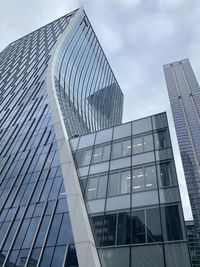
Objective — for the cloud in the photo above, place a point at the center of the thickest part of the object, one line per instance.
(21, 17)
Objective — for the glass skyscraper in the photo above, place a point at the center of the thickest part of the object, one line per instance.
(184, 94)
(35, 228)
(77, 187)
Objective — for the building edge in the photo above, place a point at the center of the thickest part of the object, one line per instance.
(84, 242)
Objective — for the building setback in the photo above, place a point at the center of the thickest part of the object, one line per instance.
(77, 187)
(184, 95)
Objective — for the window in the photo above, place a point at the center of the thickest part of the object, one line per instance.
(138, 179)
(146, 226)
(142, 144)
(119, 183)
(151, 256)
(101, 153)
(171, 223)
(166, 174)
(153, 225)
(162, 139)
(138, 226)
(144, 178)
(109, 230)
(97, 187)
(83, 157)
(123, 228)
(121, 149)
(97, 226)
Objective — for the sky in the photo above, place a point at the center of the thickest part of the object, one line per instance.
(138, 37)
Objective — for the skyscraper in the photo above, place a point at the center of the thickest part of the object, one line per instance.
(65, 55)
(184, 94)
(78, 188)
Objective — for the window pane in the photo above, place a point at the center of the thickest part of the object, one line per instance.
(109, 230)
(137, 145)
(102, 186)
(21, 234)
(125, 182)
(51, 241)
(142, 125)
(34, 257)
(177, 254)
(162, 139)
(126, 148)
(171, 223)
(42, 231)
(71, 260)
(92, 188)
(148, 256)
(97, 227)
(106, 152)
(79, 157)
(116, 150)
(87, 157)
(58, 256)
(153, 225)
(114, 184)
(47, 256)
(30, 233)
(166, 174)
(138, 179)
(123, 228)
(97, 154)
(148, 142)
(138, 226)
(65, 235)
(115, 257)
(150, 177)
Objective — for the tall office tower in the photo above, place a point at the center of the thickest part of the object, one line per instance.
(184, 94)
(58, 71)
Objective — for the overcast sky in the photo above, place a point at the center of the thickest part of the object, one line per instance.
(138, 37)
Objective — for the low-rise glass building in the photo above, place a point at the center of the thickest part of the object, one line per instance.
(129, 184)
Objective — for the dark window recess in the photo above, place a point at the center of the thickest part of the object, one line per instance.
(123, 228)
(153, 225)
(97, 227)
(71, 259)
(109, 230)
(138, 226)
(171, 223)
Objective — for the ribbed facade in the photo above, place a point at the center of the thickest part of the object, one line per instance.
(35, 227)
(184, 94)
(89, 95)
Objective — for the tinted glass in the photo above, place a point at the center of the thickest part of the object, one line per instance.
(138, 226)
(171, 223)
(153, 225)
(123, 228)
(109, 230)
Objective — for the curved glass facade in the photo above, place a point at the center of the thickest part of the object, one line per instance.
(89, 95)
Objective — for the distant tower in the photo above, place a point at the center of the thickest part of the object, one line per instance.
(184, 95)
